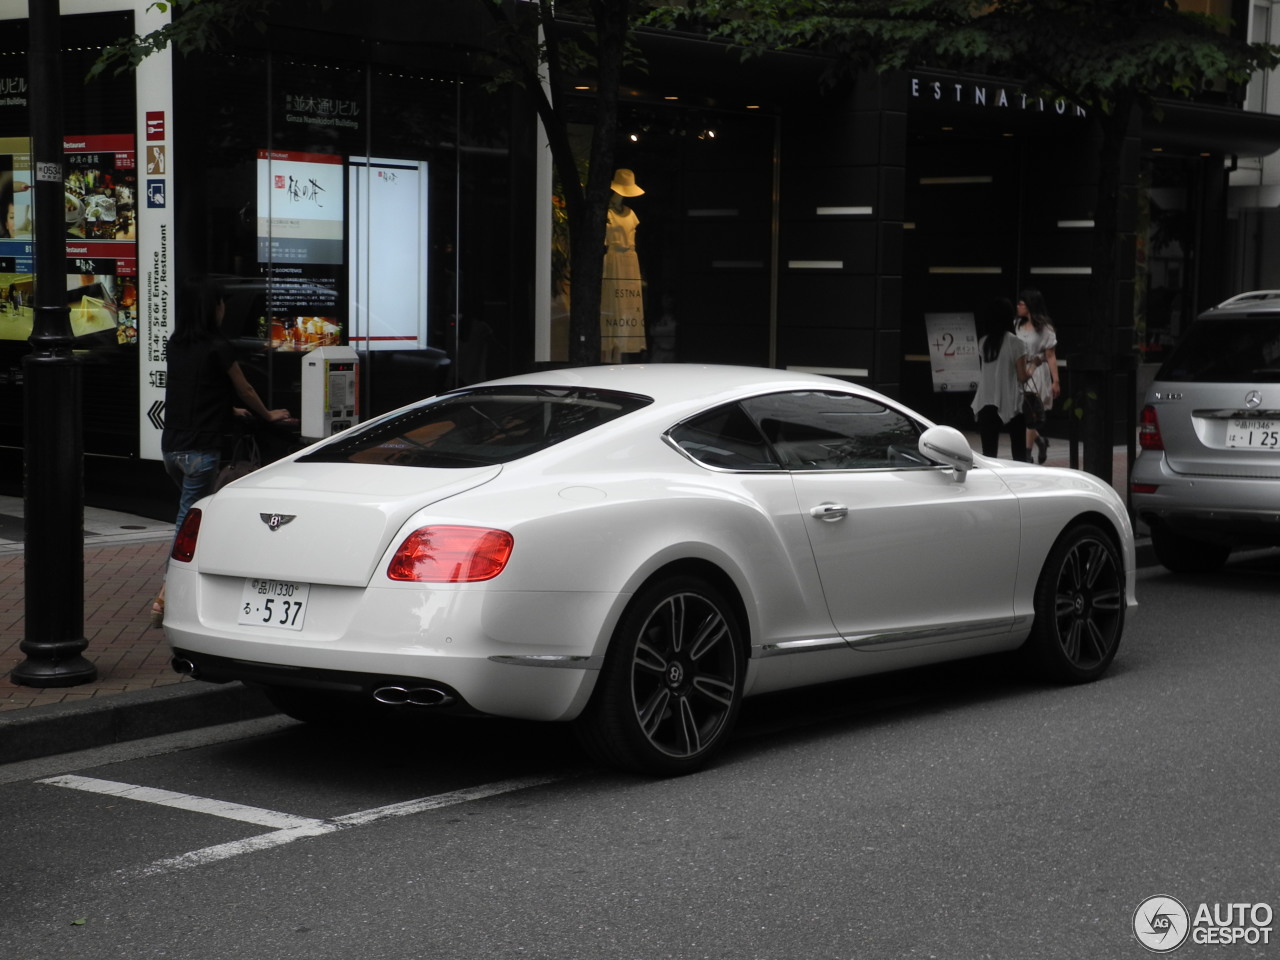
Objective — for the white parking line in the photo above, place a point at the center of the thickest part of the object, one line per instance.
(184, 801)
(287, 827)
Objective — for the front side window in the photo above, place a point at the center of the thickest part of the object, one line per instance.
(809, 430)
(1235, 350)
(478, 427)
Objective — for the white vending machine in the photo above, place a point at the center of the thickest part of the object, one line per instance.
(330, 391)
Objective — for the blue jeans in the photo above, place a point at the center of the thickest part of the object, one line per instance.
(194, 471)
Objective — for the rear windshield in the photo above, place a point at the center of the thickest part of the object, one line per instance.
(1229, 350)
(478, 427)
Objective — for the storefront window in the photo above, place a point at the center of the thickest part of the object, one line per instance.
(100, 176)
(1166, 234)
(687, 268)
(351, 204)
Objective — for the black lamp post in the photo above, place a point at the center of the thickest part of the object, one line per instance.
(53, 639)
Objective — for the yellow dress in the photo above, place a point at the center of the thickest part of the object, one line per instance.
(621, 289)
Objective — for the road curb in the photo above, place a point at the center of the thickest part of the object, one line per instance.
(101, 721)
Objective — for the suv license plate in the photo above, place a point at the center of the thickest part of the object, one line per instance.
(273, 603)
(1254, 434)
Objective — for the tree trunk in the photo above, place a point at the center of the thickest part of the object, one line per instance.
(587, 222)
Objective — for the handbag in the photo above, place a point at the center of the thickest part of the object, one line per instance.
(1032, 407)
(245, 458)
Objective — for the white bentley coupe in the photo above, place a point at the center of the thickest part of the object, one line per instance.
(635, 549)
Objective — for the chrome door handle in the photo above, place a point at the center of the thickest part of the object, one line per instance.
(829, 511)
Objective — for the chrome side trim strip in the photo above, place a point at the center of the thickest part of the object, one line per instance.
(530, 660)
(936, 634)
(787, 647)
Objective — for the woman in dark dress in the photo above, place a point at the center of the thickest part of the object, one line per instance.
(203, 386)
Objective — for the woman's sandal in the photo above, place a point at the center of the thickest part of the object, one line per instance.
(157, 613)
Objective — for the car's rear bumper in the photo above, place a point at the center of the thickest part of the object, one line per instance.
(509, 654)
(1235, 510)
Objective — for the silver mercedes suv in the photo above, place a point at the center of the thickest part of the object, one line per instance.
(1207, 478)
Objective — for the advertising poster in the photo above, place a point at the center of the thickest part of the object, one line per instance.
(301, 247)
(102, 265)
(301, 206)
(101, 188)
(388, 244)
(17, 260)
(953, 351)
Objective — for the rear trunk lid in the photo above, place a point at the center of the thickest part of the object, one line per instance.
(319, 523)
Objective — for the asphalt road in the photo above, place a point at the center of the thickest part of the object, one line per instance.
(952, 813)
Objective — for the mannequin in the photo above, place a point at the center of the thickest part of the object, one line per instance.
(621, 289)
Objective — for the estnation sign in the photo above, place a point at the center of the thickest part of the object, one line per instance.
(970, 93)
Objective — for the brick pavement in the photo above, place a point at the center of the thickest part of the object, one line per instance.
(120, 580)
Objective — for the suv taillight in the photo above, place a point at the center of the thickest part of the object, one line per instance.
(451, 554)
(184, 544)
(1149, 430)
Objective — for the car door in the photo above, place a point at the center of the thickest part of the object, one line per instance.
(905, 554)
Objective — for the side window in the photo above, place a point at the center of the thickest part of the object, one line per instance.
(822, 430)
(725, 437)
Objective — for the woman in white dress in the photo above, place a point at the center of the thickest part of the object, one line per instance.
(1035, 329)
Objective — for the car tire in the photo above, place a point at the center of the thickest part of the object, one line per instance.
(1079, 607)
(671, 685)
(1185, 554)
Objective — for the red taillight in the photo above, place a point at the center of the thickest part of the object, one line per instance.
(1144, 487)
(1149, 430)
(184, 544)
(449, 554)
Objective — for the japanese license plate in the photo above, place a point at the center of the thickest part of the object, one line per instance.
(273, 603)
(1254, 434)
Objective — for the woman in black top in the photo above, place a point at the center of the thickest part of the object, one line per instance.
(203, 385)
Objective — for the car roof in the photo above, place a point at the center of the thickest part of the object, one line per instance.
(1253, 301)
(679, 383)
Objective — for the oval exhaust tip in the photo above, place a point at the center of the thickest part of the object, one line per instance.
(397, 696)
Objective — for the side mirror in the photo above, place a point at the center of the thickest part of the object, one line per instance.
(948, 445)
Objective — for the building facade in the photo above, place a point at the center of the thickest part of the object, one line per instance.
(361, 182)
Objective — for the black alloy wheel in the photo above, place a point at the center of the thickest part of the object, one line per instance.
(1080, 606)
(671, 686)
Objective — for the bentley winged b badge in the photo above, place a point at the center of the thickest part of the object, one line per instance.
(275, 521)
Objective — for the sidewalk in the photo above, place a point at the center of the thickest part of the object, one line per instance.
(136, 693)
